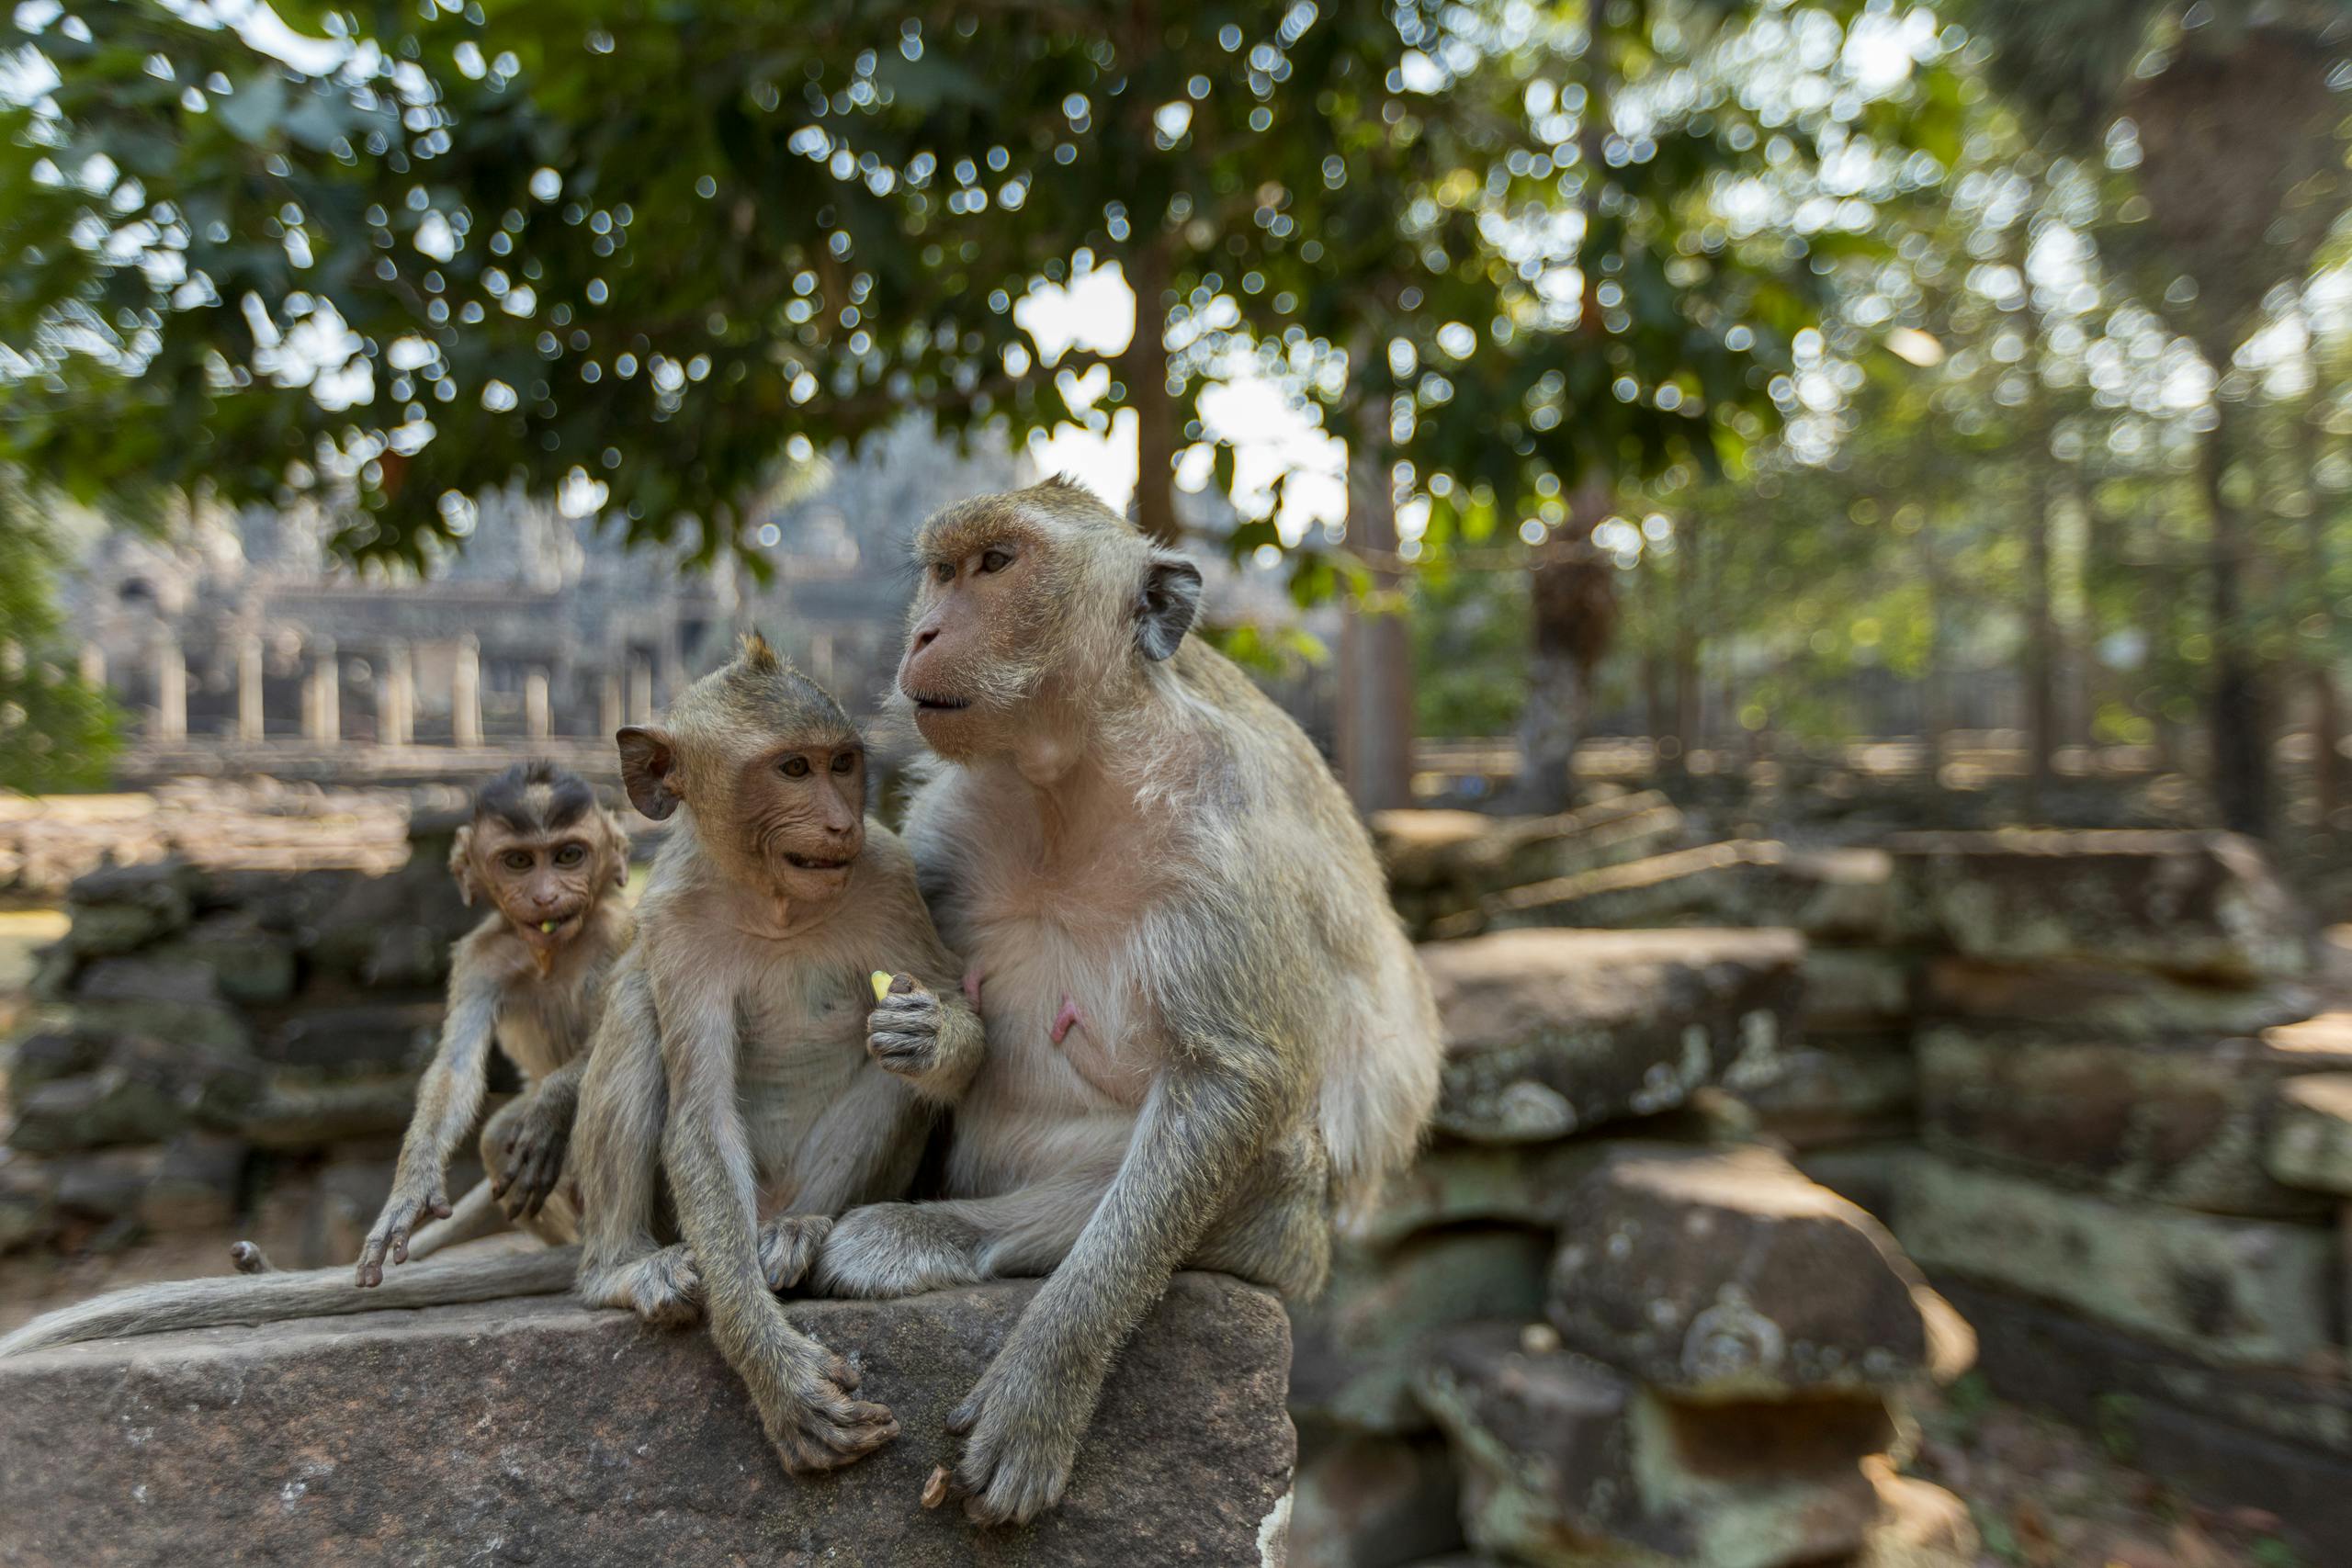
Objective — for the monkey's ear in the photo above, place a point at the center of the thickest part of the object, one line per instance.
(1164, 612)
(649, 761)
(461, 863)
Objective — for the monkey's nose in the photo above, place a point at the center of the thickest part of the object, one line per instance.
(924, 639)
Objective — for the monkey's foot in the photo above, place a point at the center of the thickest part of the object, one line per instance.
(664, 1288)
(788, 1247)
(809, 1416)
(1020, 1426)
(896, 1249)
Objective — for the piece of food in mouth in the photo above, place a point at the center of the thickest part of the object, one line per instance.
(880, 979)
(549, 926)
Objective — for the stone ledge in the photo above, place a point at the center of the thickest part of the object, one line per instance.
(539, 1431)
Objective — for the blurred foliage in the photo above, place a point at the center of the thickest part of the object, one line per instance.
(1469, 641)
(57, 732)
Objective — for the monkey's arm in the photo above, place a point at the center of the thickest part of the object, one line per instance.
(527, 1157)
(447, 1101)
(799, 1388)
(1214, 1106)
(933, 1040)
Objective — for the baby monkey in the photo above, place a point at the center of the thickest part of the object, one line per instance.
(531, 976)
(746, 1044)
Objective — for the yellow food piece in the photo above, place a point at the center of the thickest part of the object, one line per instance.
(881, 979)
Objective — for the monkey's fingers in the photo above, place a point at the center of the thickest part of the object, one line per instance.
(248, 1258)
(904, 985)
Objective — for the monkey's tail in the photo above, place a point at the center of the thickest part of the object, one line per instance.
(312, 1293)
(476, 1215)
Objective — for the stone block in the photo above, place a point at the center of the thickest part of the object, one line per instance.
(364, 1037)
(1865, 990)
(539, 1431)
(47, 1052)
(1367, 1501)
(1829, 895)
(2257, 1291)
(2182, 1122)
(295, 1113)
(1356, 1348)
(2278, 1439)
(1729, 1276)
(28, 1201)
(1452, 1184)
(1566, 1462)
(152, 979)
(1552, 1032)
(253, 965)
(2311, 1133)
(2199, 905)
(93, 1111)
(197, 1186)
(123, 908)
(106, 1185)
(2106, 1003)
(1469, 853)
(1830, 1089)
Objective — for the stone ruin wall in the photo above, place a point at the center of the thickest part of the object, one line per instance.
(1737, 1141)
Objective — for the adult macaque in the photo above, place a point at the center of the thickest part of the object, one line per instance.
(531, 976)
(743, 1042)
(1204, 1023)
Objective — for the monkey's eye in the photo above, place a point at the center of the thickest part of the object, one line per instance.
(793, 767)
(844, 761)
(995, 560)
(944, 571)
(572, 854)
(517, 860)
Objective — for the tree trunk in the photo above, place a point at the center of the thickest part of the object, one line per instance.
(1936, 704)
(1375, 676)
(1143, 367)
(2041, 658)
(2235, 731)
(1573, 609)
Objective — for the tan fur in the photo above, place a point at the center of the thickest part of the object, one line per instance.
(744, 1055)
(1124, 823)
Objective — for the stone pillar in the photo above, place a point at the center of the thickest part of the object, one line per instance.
(171, 689)
(250, 725)
(538, 717)
(640, 691)
(323, 696)
(610, 712)
(396, 698)
(92, 665)
(465, 694)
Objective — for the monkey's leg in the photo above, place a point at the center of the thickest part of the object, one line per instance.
(1204, 1120)
(1275, 1229)
(624, 1100)
(902, 1250)
(476, 1215)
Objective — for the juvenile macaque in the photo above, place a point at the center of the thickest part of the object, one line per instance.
(743, 1049)
(1206, 1026)
(531, 976)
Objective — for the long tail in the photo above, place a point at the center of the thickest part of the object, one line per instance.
(476, 1215)
(313, 1292)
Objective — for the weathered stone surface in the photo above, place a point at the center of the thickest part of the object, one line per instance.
(537, 1431)
(1554, 1031)
(2107, 1003)
(2182, 1122)
(1564, 1462)
(215, 1029)
(1441, 862)
(2311, 1133)
(28, 1201)
(145, 978)
(1833, 1088)
(197, 1186)
(1920, 1525)
(2233, 1437)
(1729, 1276)
(1456, 1183)
(2199, 905)
(106, 1185)
(1863, 1174)
(253, 965)
(1372, 1501)
(361, 1038)
(2239, 1289)
(125, 908)
(293, 1112)
(91, 1110)
(1858, 990)
(1831, 894)
(47, 1052)
(1358, 1344)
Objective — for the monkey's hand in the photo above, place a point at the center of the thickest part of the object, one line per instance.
(1021, 1425)
(902, 1032)
(410, 1204)
(788, 1247)
(529, 1157)
(805, 1404)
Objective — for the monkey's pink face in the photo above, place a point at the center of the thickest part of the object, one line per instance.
(975, 631)
(803, 806)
